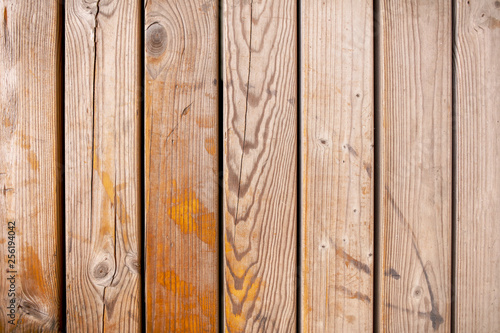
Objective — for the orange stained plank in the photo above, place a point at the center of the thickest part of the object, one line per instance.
(415, 169)
(181, 165)
(260, 159)
(102, 157)
(337, 177)
(30, 165)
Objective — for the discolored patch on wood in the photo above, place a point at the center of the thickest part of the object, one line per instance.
(192, 217)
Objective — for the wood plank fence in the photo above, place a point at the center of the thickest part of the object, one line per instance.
(250, 165)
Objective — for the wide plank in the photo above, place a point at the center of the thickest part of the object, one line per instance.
(30, 165)
(260, 165)
(477, 244)
(337, 165)
(102, 161)
(181, 152)
(415, 170)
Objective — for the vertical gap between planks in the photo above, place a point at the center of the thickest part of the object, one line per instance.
(220, 167)
(142, 169)
(61, 17)
(299, 170)
(453, 167)
(376, 163)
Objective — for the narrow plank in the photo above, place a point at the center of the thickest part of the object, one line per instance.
(182, 165)
(337, 183)
(30, 157)
(102, 137)
(260, 157)
(415, 137)
(477, 84)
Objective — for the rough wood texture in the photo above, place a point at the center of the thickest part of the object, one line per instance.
(102, 133)
(477, 84)
(337, 159)
(30, 156)
(415, 170)
(181, 165)
(260, 157)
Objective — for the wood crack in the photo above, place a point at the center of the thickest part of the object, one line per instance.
(183, 113)
(93, 115)
(246, 114)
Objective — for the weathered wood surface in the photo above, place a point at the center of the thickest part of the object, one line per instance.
(102, 156)
(415, 170)
(337, 159)
(181, 165)
(30, 163)
(477, 90)
(260, 158)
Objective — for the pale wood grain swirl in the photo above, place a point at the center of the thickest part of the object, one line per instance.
(260, 162)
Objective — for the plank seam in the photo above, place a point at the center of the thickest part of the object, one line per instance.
(298, 298)
(453, 167)
(62, 162)
(220, 167)
(142, 166)
(376, 163)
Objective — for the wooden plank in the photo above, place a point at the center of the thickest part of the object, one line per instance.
(337, 183)
(182, 166)
(30, 156)
(102, 126)
(260, 157)
(477, 84)
(415, 137)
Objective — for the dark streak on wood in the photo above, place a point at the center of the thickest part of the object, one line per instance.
(351, 294)
(393, 274)
(434, 315)
(356, 263)
(423, 315)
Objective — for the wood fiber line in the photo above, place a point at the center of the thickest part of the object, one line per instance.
(102, 136)
(181, 49)
(260, 165)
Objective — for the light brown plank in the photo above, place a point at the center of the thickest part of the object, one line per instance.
(260, 157)
(477, 84)
(415, 136)
(30, 156)
(102, 133)
(181, 166)
(337, 159)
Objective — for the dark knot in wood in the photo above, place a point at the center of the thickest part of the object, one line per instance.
(156, 39)
(101, 270)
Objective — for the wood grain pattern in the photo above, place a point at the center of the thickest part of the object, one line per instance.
(102, 133)
(415, 171)
(182, 166)
(30, 157)
(337, 182)
(477, 86)
(260, 157)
